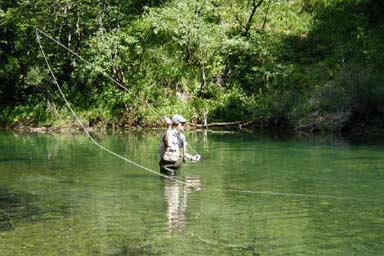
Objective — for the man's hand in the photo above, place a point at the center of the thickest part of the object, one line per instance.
(192, 158)
(196, 158)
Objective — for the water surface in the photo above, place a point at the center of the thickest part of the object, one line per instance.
(250, 195)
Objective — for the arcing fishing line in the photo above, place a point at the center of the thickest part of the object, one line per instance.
(97, 68)
(271, 193)
(83, 127)
(274, 193)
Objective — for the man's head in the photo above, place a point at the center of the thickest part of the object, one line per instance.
(178, 121)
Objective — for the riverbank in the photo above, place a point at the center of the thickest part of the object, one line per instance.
(354, 125)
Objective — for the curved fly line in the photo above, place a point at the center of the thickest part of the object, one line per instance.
(97, 68)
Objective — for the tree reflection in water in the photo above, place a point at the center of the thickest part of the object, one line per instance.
(176, 196)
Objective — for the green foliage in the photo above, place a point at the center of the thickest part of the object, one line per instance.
(29, 114)
(234, 60)
(363, 86)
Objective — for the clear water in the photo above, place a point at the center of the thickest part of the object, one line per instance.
(250, 195)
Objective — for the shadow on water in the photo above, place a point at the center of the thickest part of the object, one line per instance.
(321, 138)
(15, 159)
(17, 207)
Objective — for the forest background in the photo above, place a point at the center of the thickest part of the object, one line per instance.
(311, 65)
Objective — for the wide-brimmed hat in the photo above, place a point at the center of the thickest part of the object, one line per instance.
(178, 119)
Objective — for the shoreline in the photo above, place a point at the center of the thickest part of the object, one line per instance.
(358, 132)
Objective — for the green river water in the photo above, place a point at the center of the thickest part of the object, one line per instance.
(250, 195)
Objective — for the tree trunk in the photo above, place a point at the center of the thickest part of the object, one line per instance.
(266, 15)
(255, 6)
(201, 61)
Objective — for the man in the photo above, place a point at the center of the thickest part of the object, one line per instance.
(173, 147)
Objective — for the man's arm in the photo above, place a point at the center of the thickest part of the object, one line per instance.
(187, 156)
(166, 139)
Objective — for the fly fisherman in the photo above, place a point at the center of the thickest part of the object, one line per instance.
(173, 147)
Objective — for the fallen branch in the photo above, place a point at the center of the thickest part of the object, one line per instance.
(237, 123)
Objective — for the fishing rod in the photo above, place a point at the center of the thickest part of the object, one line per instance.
(85, 129)
(99, 69)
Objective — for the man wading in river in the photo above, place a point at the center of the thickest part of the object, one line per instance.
(173, 147)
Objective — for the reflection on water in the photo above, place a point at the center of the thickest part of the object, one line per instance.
(176, 197)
